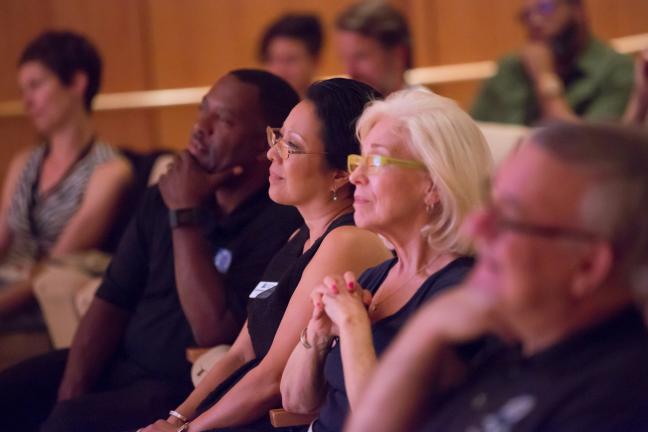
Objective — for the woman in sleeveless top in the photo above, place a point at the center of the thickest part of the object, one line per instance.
(61, 196)
(308, 171)
(423, 161)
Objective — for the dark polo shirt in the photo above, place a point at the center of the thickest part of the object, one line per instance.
(141, 277)
(596, 380)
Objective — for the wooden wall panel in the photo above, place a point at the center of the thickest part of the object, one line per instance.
(153, 44)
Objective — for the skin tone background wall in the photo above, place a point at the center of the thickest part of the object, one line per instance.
(158, 44)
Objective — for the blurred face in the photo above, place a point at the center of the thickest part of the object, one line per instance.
(546, 19)
(527, 269)
(229, 129)
(366, 60)
(303, 174)
(46, 100)
(390, 197)
(289, 59)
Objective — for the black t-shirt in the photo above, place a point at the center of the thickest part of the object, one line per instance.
(141, 276)
(336, 406)
(594, 381)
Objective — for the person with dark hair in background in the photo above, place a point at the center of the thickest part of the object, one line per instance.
(308, 157)
(179, 278)
(562, 73)
(61, 196)
(373, 41)
(562, 245)
(290, 48)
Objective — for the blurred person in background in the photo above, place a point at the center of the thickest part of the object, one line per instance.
(563, 72)
(373, 42)
(62, 195)
(290, 48)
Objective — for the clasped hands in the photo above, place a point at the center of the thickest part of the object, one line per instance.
(339, 306)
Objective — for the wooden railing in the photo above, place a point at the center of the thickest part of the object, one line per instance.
(432, 75)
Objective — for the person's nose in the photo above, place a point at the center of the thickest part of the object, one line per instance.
(357, 176)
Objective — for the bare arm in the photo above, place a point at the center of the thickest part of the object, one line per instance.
(101, 202)
(258, 391)
(95, 342)
(240, 353)
(637, 110)
(8, 190)
(201, 289)
(538, 61)
(339, 308)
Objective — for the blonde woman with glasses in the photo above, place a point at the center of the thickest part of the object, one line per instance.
(420, 173)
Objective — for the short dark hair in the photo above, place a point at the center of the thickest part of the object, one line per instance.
(65, 53)
(615, 158)
(276, 97)
(380, 21)
(339, 102)
(306, 28)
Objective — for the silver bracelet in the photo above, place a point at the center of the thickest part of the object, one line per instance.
(179, 416)
(304, 340)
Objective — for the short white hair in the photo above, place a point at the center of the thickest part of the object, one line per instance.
(451, 146)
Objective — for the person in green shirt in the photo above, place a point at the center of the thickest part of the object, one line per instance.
(562, 73)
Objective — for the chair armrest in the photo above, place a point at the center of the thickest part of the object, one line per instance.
(281, 418)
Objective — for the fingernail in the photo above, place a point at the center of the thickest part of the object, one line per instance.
(334, 287)
(351, 286)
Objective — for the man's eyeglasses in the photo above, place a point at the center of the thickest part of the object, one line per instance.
(374, 162)
(500, 223)
(283, 146)
(543, 8)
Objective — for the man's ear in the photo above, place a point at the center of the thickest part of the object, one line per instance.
(79, 83)
(593, 270)
(401, 51)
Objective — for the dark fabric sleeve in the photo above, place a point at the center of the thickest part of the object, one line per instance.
(126, 276)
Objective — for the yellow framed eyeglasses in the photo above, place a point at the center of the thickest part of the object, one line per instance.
(375, 162)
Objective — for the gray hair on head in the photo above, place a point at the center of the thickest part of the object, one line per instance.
(616, 160)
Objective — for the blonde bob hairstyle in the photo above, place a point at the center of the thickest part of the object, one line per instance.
(453, 149)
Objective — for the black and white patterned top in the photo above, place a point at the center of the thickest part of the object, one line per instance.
(36, 220)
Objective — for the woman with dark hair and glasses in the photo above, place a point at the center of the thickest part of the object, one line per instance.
(308, 171)
(60, 196)
(420, 173)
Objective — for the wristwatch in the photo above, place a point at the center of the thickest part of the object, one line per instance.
(185, 217)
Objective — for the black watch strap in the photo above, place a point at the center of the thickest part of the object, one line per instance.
(185, 217)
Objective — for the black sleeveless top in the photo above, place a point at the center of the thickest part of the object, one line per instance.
(269, 299)
(336, 405)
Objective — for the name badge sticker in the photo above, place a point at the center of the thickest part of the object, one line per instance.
(262, 290)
